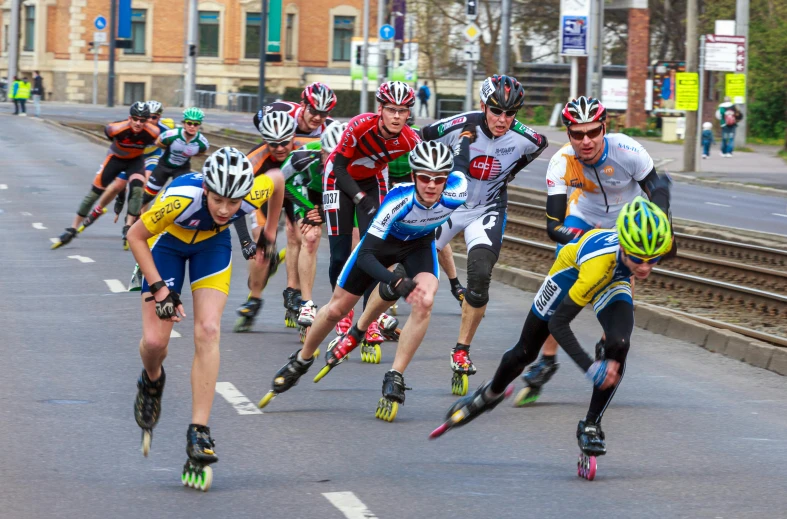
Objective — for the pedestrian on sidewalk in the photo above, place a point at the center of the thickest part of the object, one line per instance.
(728, 116)
(38, 91)
(20, 94)
(707, 139)
(423, 99)
(12, 88)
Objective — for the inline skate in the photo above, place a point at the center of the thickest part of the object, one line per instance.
(534, 379)
(248, 312)
(370, 347)
(393, 396)
(147, 406)
(135, 285)
(287, 377)
(468, 408)
(389, 327)
(125, 240)
(292, 305)
(463, 367)
(65, 238)
(339, 350)
(91, 217)
(590, 438)
(306, 315)
(345, 323)
(197, 472)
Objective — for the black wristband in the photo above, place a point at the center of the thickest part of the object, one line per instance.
(158, 285)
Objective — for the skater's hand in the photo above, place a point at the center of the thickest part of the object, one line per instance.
(311, 220)
(249, 249)
(169, 308)
(404, 287)
(267, 244)
(417, 296)
(604, 373)
(117, 215)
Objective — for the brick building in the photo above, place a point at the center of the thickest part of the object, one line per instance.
(309, 39)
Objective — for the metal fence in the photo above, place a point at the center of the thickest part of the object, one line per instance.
(231, 101)
(449, 107)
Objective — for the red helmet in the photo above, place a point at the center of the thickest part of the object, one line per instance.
(583, 110)
(319, 96)
(396, 93)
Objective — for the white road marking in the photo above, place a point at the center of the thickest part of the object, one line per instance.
(349, 505)
(38, 225)
(3, 186)
(83, 259)
(718, 205)
(25, 213)
(54, 240)
(237, 399)
(174, 334)
(115, 285)
(779, 214)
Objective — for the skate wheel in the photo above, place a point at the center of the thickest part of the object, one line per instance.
(378, 354)
(586, 467)
(205, 479)
(241, 326)
(459, 384)
(526, 396)
(266, 399)
(316, 353)
(324, 371)
(81, 228)
(56, 245)
(146, 439)
(394, 309)
(386, 410)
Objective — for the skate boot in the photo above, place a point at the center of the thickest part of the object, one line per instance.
(393, 396)
(306, 315)
(287, 377)
(120, 202)
(469, 407)
(65, 238)
(389, 327)
(370, 347)
(92, 217)
(534, 379)
(125, 232)
(248, 312)
(345, 323)
(394, 308)
(277, 260)
(462, 367)
(147, 406)
(197, 473)
(601, 350)
(339, 350)
(458, 292)
(135, 285)
(292, 306)
(590, 438)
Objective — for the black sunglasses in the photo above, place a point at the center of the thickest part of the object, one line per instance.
(499, 111)
(282, 144)
(139, 119)
(592, 134)
(317, 113)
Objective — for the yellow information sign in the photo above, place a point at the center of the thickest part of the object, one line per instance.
(735, 88)
(687, 91)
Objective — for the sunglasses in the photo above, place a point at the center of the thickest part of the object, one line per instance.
(438, 180)
(640, 261)
(282, 144)
(396, 111)
(499, 111)
(316, 112)
(139, 119)
(191, 123)
(156, 116)
(592, 134)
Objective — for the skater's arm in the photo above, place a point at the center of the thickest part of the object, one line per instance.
(658, 188)
(560, 328)
(138, 237)
(345, 182)
(556, 211)
(267, 241)
(367, 259)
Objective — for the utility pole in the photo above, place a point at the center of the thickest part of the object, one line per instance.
(505, 33)
(263, 52)
(190, 77)
(380, 53)
(365, 59)
(13, 45)
(591, 63)
(690, 135)
(113, 28)
(742, 29)
(598, 74)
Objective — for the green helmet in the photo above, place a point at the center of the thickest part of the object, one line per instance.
(643, 229)
(193, 114)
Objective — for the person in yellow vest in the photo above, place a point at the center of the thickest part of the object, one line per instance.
(20, 94)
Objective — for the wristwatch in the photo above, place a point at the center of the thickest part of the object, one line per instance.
(358, 197)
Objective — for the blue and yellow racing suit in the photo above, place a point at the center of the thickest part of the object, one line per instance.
(154, 153)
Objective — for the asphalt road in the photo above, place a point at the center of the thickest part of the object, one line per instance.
(689, 434)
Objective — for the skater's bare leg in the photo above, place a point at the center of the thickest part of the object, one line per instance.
(155, 338)
(258, 274)
(208, 307)
(471, 318)
(307, 260)
(421, 299)
(374, 307)
(340, 305)
(446, 259)
(293, 251)
(115, 188)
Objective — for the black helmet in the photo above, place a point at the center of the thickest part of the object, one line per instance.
(502, 92)
(139, 109)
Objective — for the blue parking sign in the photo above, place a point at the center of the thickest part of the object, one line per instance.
(100, 23)
(574, 35)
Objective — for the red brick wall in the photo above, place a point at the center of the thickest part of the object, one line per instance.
(637, 66)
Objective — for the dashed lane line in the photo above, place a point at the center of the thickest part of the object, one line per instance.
(39, 225)
(779, 214)
(236, 399)
(349, 504)
(82, 259)
(717, 205)
(174, 334)
(25, 213)
(3, 186)
(115, 285)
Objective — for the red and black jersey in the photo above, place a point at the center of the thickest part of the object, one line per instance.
(367, 151)
(129, 145)
(294, 110)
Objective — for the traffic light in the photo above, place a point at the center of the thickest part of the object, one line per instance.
(358, 55)
(471, 9)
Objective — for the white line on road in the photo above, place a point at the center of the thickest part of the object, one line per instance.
(349, 505)
(718, 205)
(25, 213)
(54, 240)
(779, 214)
(83, 259)
(38, 225)
(174, 334)
(237, 399)
(115, 285)
(3, 186)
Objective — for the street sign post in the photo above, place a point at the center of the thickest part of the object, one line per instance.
(725, 53)
(387, 32)
(99, 37)
(100, 23)
(472, 52)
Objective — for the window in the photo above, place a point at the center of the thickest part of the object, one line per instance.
(289, 35)
(138, 19)
(30, 28)
(252, 50)
(133, 92)
(209, 34)
(343, 30)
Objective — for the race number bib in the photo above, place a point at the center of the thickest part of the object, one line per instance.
(330, 200)
(546, 297)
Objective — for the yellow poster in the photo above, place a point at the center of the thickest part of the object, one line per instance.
(687, 91)
(735, 88)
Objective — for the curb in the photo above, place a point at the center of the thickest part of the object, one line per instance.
(89, 136)
(727, 184)
(663, 322)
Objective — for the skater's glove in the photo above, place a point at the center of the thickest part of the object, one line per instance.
(268, 247)
(249, 249)
(365, 204)
(313, 217)
(597, 373)
(468, 131)
(167, 308)
(302, 161)
(403, 287)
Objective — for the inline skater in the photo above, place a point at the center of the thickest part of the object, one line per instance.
(354, 182)
(310, 115)
(605, 171)
(503, 147)
(402, 232)
(189, 225)
(278, 135)
(129, 140)
(594, 268)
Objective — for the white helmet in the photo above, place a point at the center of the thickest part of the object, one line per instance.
(155, 107)
(228, 173)
(276, 126)
(432, 156)
(331, 136)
